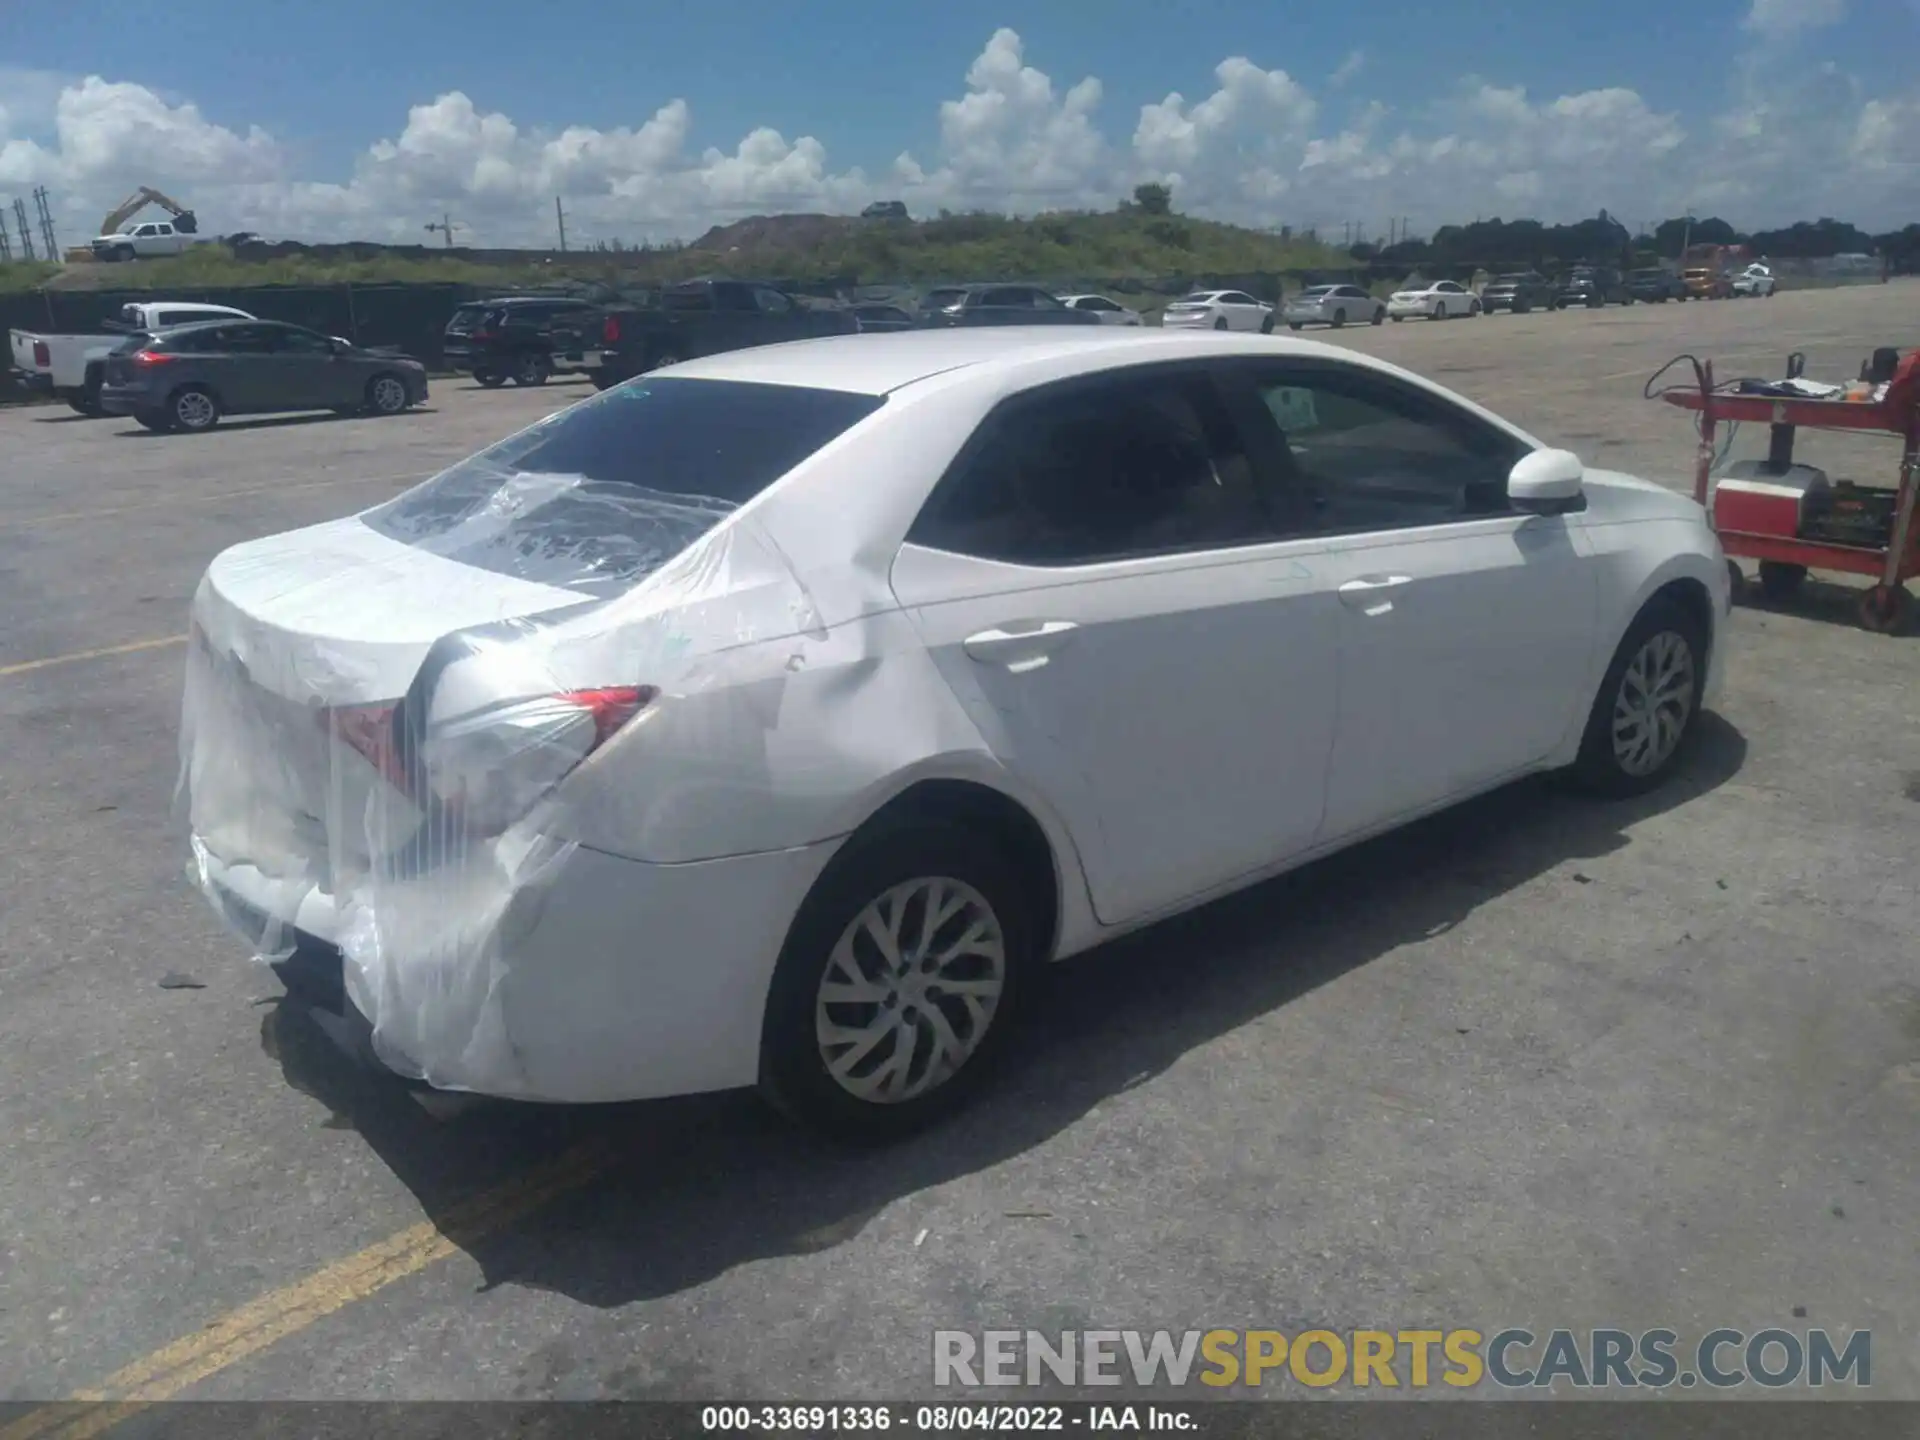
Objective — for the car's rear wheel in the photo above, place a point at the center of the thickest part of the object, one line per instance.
(193, 408)
(1293, 324)
(490, 379)
(1339, 319)
(387, 395)
(1266, 326)
(1221, 323)
(1474, 309)
(899, 981)
(1645, 711)
(531, 368)
(1379, 315)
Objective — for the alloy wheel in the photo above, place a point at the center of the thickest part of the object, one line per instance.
(195, 410)
(389, 395)
(910, 990)
(1654, 703)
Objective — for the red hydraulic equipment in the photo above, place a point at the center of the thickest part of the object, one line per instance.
(1788, 516)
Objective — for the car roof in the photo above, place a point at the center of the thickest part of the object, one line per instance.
(878, 364)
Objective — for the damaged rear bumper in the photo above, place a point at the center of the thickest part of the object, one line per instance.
(606, 979)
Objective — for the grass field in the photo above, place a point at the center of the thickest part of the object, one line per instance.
(1058, 247)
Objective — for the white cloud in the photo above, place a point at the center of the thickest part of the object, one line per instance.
(1348, 68)
(1777, 18)
(1792, 139)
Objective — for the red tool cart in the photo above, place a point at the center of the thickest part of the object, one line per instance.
(1788, 517)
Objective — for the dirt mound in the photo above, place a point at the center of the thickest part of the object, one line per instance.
(775, 232)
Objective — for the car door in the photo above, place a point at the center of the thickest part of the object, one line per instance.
(1100, 582)
(1243, 312)
(234, 361)
(1467, 628)
(310, 375)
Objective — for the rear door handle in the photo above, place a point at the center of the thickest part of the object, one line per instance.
(1020, 647)
(1372, 594)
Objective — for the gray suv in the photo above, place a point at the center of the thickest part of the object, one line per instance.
(187, 378)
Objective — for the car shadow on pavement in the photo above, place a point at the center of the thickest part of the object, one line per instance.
(701, 1185)
(266, 422)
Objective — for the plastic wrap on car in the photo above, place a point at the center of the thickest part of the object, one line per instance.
(410, 803)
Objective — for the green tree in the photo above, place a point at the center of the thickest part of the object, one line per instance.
(1153, 198)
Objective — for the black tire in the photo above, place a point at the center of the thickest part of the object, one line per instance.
(1475, 310)
(1339, 319)
(1221, 323)
(530, 368)
(1781, 581)
(193, 409)
(1398, 318)
(387, 394)
(121, 253)
(1293, 324)
(1886, 609)
(1379, 316)
(1266, 326)
(604, 381)
(490, 379)
(793, 1072)
(1600, 768)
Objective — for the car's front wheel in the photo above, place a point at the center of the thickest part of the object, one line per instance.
(490, 379)
(387, 395)
(1647, 705)
(899, 982)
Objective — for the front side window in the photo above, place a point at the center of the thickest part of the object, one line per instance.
(1369, 453)
(294, 341)
(1234, 297)
(600, 495)
(1121, 467)
(1008, 298)
(772, 302)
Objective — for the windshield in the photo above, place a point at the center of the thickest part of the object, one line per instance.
(599, 496)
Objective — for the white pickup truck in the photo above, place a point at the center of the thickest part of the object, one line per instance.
(145, 241)
(70, 365)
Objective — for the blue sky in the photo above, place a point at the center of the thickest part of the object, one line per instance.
(867, 81)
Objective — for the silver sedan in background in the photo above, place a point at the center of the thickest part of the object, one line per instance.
(1334, 305)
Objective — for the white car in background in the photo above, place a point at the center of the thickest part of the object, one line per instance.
(1756, 279)
(1335, 305)
(1442, 300)
(774, 717)
(1111, 312)
(1218, 310)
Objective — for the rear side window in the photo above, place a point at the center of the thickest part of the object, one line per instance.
(599, 496)
(1124, 466)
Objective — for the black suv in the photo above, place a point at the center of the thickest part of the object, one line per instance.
(508, 339)
(1656, 286)
(1518, 291)
(1594, 286)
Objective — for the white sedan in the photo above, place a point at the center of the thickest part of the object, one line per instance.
(772, 718)
(1754, 280)
(1218, 310)
(1111, 312)
(1442, 300)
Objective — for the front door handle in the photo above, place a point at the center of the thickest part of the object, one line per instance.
(1020, 647)
(1372, 594)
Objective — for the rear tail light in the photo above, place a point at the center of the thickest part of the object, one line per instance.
(480, 335)
(610, 331)
(489, 768)
(42, 356)
(152, 357)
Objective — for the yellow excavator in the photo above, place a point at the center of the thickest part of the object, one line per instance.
(184, 220)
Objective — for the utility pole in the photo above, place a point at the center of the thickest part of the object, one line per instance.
(41, 204)
(6, 245)
(1686, 237)
(446, 227)
(26, 236)
(560, 218)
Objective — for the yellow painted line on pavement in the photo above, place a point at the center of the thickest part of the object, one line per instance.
(274, 1316)
(24, 666)
(180, 500)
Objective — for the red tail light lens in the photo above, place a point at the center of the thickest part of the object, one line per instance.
(492, 767)
(152, 357)
(610, 331)
(41, 354)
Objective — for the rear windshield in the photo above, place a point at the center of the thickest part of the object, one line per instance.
(599, 496)
(468, 316)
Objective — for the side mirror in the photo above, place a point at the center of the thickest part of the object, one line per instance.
(1547, 482)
